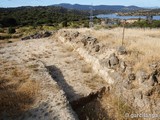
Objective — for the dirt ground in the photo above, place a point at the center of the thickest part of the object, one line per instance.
(59, 73)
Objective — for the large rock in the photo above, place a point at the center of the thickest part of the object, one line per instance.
(87, 40)
(113, 60)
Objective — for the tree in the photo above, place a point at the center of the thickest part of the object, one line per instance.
(7, 21)
(11, 30)
(65, 23)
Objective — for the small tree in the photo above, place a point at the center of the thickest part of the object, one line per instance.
(11, 30)
(64, 24)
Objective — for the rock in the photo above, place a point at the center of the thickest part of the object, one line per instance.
(116, 77)
(138, 95)
(127, 84)
(75, 34)
(131, 76)
(87, 40)
(25, 38)
(128, 70)
(84, 41)
(148, 92)
(142, 76)
(122, 66)
(153, 80)
(64, 33)
(113, 60)
(10, 41)
(38, 36)
(97, 48)
(153, 66)
(46, 34)
(121, 50)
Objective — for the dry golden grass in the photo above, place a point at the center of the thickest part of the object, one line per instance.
(143, 45)
(117, 109)
(86, 69)
(17, 91)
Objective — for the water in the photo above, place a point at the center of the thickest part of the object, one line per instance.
(124, 17)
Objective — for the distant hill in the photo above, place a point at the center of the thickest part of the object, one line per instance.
(153, 12)
(38, 15)
(99, 7)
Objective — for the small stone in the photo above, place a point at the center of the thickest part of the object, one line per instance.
(153, 80)
(153, 66)
(122, 66)
(97, 48)
(142, 76)
(121, 50)
(148, 92)
(131, 76)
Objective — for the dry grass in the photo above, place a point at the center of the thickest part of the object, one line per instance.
(86, 69)
(17, 91)
(143, 45)
(117, 109)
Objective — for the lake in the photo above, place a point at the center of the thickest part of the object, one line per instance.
(124, 17)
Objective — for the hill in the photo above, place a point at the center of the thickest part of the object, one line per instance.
(99, 7)
(153, 12)
(38, 15)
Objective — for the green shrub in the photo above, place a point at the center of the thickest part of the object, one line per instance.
(11, 30)
(86, 24)
(75, 26)
(3, 37)
(144, 24)
(1, 30)
(64, 24)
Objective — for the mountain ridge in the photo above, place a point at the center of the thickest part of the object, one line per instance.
(99, 7)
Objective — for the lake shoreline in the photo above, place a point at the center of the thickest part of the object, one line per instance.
(116, 16)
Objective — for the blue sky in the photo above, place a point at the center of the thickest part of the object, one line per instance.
(141, 3)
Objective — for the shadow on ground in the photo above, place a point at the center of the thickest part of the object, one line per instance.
(12, 102)
(88, 107)
(57, 75)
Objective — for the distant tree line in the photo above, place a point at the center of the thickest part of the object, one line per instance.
(145, 24)
(51, 15)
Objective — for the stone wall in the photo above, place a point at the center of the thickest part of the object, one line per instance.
(140, 90)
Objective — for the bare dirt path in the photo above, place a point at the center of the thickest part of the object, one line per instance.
(61, 72)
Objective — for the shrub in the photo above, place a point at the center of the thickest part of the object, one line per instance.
(1, 30)
(64, 24)
(7, 21)
(11, 30)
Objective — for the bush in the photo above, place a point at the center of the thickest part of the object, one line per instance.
(64, 24)
(7, 21)
(144, 24)
(74, 25)
(1, 30)
(11, 30)
(86, 24)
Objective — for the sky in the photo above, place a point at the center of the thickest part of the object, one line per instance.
(140, 3)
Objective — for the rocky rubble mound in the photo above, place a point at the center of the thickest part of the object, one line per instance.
(89, 42)
(37, 35)
(140, 89)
